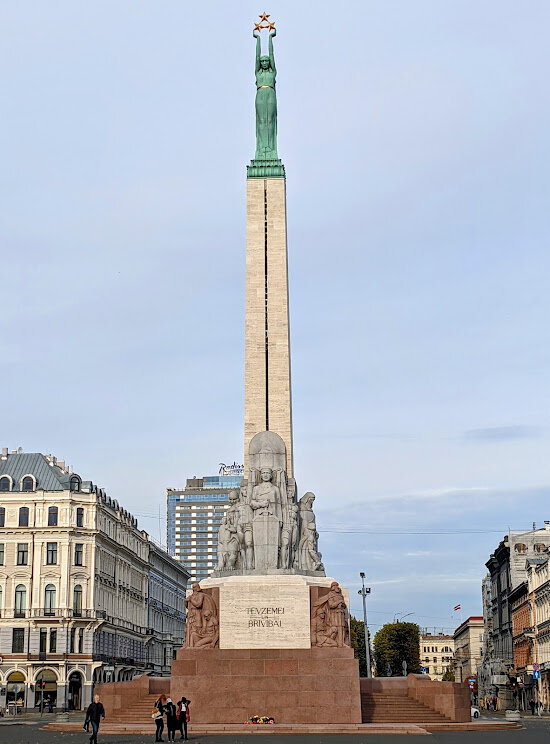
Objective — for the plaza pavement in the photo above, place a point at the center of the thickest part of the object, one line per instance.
(535, 731)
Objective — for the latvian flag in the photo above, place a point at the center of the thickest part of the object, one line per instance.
(456, 608)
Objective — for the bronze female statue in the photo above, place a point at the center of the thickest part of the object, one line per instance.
(266, 101)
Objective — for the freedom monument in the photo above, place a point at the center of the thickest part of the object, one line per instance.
(268, 632)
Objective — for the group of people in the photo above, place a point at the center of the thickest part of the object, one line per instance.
(176, 714)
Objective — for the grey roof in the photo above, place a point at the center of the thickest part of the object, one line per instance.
(49, 477)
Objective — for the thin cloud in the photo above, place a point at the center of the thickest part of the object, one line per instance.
(503, 433)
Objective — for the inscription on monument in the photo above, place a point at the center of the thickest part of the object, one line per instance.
(266, 615)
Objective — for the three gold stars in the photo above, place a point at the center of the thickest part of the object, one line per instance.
(269, 25)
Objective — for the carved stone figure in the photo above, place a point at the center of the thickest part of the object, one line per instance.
(322, 634)
(334, 606)
(289, 535)
(308, 557)
(266, 496)
(266, 101)
(245, 533)
(202, 619)
(228, 545)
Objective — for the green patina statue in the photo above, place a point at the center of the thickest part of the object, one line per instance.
(266, 101)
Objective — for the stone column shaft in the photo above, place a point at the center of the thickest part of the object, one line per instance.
(268, 404)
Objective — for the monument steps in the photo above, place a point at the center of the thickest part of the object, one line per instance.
(379, 707)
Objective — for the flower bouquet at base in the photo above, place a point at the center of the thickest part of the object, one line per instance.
(260, 719)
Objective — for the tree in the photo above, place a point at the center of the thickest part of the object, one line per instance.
(449, 675)
(395, 643)
(357, 638)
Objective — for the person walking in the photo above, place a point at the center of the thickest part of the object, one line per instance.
(171, 719)
(94, 714)
(159, 717)
(183, 716)
(532, 706)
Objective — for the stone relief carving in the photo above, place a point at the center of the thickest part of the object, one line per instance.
(329, 617)
(202, 619)
(264, 528)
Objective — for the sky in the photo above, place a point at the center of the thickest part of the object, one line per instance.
(415, 140)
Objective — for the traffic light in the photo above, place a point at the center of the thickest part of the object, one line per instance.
(43, 684)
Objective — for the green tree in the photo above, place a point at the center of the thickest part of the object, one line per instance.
(357, 638)
(395, 643)
(449, 675)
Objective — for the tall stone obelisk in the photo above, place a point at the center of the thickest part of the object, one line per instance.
(267, 398)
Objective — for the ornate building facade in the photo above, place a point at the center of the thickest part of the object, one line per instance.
(74, 585)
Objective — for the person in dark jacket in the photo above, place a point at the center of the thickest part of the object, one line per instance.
(183, 716)
(171, 719)
(94, 714)
(159, 720)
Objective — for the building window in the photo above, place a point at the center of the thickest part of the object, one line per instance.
(75, 484)
(18, 641)
(71, 641)
(78, 551)
(52, 516)
(2, 516)
(43, 640)
(51, 554)
(0, 601)
(5, 483)
(1, 554)
(53, 641)
(49, 600)
(79, 517)
(81, 640)
(20, 600)
(77, 601)
(22, 554)
(27, 484)
(24, 516)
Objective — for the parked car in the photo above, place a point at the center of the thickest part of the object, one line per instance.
(474, 712)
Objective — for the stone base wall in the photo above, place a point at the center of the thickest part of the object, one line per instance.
(451, 699)
(317, 685)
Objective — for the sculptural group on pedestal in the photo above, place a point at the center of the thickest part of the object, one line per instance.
(329, 618)
(265, 528)
(202, 619)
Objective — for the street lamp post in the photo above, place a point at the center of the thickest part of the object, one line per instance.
(363, 592)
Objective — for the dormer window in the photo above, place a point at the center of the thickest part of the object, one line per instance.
(27, 484)
(75, 484)
(5, 483)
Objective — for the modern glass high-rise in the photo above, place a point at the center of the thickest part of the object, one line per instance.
(193, 519)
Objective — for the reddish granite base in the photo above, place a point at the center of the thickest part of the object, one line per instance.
(317, 685)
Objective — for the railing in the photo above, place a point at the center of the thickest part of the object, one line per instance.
(66, 612)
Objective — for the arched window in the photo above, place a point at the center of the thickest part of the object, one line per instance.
(49, 600)
(5, 483)
(52, 516)
(20, 600)
(27, 484)
(77, 601)
(75, 483)
(24, 516)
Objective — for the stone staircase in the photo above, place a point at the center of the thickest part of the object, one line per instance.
(381, 707)
(138, 711)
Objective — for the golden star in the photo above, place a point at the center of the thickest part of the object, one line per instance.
(258, 26)
(270, 26)
(264, 16)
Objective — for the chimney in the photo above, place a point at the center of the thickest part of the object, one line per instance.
(547, 525)
(61, 464)
(20, 450)
(4, 453)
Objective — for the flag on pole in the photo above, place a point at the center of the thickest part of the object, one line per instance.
(456, 608)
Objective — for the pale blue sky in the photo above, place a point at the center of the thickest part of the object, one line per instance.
(415, 138)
